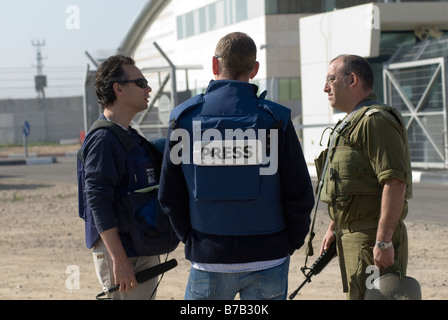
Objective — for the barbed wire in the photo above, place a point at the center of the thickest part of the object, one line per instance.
(62, 81)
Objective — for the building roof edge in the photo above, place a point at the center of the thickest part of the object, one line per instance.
(142, 22)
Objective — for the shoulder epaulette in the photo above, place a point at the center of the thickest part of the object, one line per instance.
(372, 111)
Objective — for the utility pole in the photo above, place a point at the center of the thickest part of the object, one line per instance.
(40, 80)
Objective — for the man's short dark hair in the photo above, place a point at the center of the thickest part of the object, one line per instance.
(238, 52)
(360, 66)
(110, 72)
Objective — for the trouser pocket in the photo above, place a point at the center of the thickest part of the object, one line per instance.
(103, 265)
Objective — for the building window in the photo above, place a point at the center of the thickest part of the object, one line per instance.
(212, 20)
(180, 27)
(202, 20)
(189, 24)
(292, 6)
(318, 6)
(289, 89)
(389, 44)
(241, 11)
(213, 16)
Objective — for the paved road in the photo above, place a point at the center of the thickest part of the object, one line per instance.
(430, 202)
(64, 170)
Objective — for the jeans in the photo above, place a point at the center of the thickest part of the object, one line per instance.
(268, 284)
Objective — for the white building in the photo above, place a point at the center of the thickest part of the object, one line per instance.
(296, 41)
(188, 31)
(375, 31)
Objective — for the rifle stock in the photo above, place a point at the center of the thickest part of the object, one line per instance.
(317, 267)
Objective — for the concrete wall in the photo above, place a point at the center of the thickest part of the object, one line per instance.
(51, 119)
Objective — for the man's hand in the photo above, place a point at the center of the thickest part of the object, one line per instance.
(328, 238)
(123, 270)
(124, 275)
(383, 258)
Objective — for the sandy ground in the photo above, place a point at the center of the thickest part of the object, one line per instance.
(43, 256)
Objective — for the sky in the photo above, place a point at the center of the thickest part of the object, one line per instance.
(69, 28)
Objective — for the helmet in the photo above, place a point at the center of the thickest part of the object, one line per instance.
(393, 286)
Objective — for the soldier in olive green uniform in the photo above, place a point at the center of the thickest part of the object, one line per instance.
(367, 178)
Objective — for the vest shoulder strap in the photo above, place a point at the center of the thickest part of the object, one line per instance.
(121, 134)
(281, 114)
(118, 131)
(184, 107)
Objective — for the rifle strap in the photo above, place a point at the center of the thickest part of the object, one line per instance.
(334, 134)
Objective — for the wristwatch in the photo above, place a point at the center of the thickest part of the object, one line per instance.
(383, 245)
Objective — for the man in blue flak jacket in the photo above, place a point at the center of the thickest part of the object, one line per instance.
(110, 173)
(234, 183)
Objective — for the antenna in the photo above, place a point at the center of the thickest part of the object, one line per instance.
(40, 80)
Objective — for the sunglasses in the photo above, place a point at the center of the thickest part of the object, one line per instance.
(141, 83)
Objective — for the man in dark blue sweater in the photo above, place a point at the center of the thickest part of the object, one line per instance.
(110, 173)
(235, 183)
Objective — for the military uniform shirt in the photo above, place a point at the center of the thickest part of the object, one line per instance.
(371, 149)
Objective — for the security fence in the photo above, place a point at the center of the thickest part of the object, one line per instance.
(56, 116)
(415, 82)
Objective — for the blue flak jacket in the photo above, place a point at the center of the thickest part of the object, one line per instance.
(111, 172)
(232, 213)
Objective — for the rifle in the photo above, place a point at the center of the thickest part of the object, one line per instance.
(317, 267)
(329, 254)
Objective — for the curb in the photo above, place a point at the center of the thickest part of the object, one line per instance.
(440, 177)
(418, 176)
(33, 158)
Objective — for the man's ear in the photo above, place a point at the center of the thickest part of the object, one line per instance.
(254, 71)
(215, 66)
(117, 89)
(354, 80)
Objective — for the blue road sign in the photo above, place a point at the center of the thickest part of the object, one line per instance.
(26, 128)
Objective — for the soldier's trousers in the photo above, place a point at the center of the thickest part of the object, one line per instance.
(357, 247)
